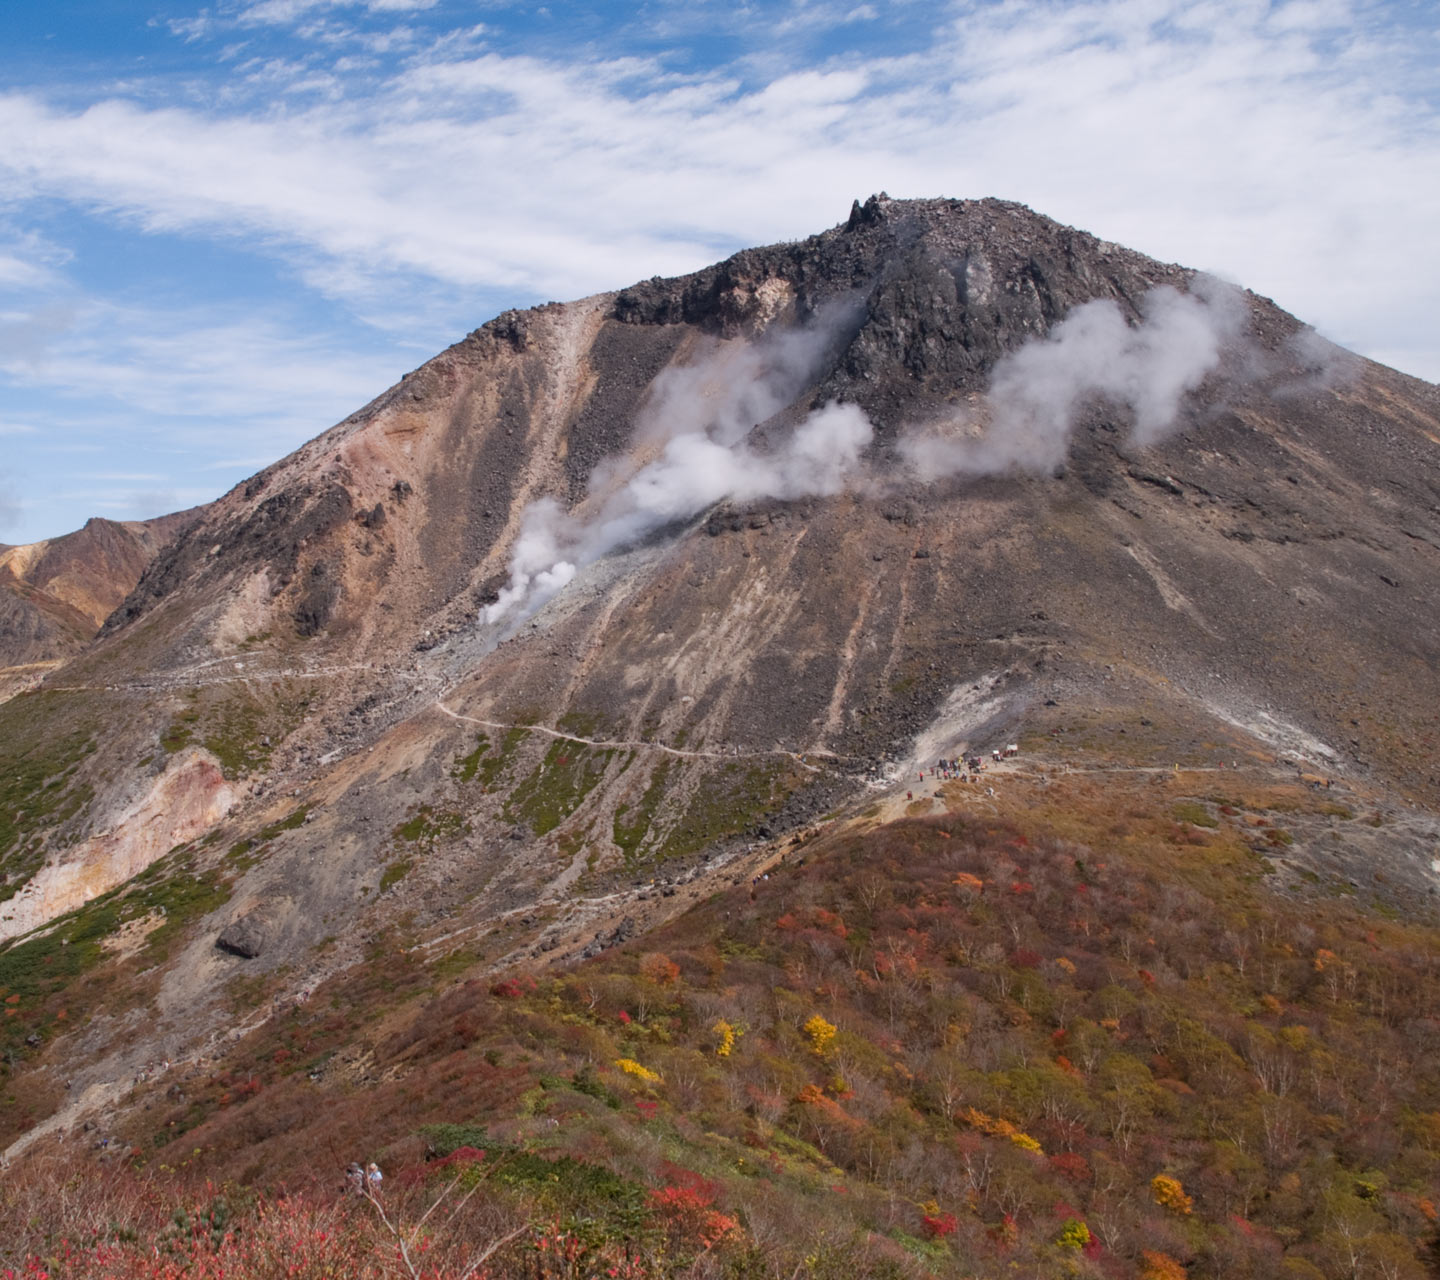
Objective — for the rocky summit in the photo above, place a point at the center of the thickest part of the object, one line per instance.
(618, 604)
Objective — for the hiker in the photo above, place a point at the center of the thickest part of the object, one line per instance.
(909, 795)
(355, 1178)
(375, 1177)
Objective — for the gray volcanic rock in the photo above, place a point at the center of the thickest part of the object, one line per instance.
(246, 936)
(946, 286)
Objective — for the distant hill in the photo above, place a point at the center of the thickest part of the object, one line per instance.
(54, 595)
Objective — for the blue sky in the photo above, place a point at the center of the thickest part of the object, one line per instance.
(223, 227)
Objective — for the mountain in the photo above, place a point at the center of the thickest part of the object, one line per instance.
(606, 606)
(55, 594)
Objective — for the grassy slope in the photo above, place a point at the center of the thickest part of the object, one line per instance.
(1036, 1016)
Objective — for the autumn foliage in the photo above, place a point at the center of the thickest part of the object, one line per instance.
(1090, 1062)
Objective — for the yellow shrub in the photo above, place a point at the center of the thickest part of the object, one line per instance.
(821, 1034)
(726, 1037)
(633, 1068)
(997, 1127)
(1169, 1194)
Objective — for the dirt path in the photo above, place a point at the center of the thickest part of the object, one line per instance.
(197, 677)
(640, 745)
(906, 794)
(200, 676)
(648, 906)
(97, 1098)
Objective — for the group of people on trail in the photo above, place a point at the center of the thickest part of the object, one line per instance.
(363, 1179)
(955, 770)
(151, 1069)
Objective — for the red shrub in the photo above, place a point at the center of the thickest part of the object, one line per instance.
(687, 1206)
(460, 1156)
(1072, 1165)
(939, 1225)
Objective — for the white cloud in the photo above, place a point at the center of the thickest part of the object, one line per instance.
(280, 11)
(175, 364)
(178, 392)
(286, 12)
(17, 272)
(29, 261)
(189, 29)
(1243, 139)
(423, 178)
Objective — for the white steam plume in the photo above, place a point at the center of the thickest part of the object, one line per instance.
(735, 384)
(1035, 392)
(692, 473)
(700, 416)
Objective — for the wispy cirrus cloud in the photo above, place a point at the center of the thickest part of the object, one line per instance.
(1218, 139)
(283, 12)
(179, 390)
(251, 371)
(415, 175)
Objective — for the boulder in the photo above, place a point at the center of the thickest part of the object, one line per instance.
(246, 935)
